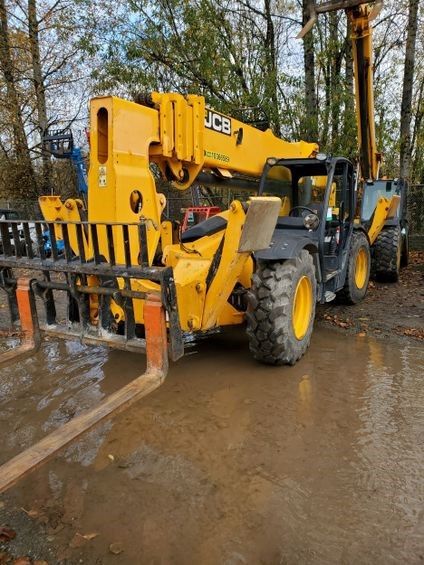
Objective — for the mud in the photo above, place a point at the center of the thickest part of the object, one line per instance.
(391, 310)
(228, 462)
(231, 462)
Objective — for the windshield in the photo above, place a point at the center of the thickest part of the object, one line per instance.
(304, 183)
(372, 192)
(294, 186)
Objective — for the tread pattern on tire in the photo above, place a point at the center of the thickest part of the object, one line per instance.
(269, 316)
(349, 294)
(387, 255)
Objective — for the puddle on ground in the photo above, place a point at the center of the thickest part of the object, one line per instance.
(229, 461)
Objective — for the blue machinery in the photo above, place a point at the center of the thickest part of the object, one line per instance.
(60, 143)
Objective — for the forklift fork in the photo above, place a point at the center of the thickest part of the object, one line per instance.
(30, 331)
(162, 336)
(152, 378)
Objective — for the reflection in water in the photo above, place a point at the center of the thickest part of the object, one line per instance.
(231, 461)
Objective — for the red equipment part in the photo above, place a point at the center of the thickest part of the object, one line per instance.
(196, 214)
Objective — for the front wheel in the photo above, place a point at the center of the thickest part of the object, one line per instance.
(358, 270)
(281, 311)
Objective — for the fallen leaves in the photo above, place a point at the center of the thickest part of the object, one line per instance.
(116, 548)
(418, 333)
(6, 533)
(10, 333)
(31, 513)
(336, 321)
(79, 539)
(28, 561)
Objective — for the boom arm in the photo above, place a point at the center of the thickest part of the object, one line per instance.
(360, 15)
(364, 90)
(183, 138)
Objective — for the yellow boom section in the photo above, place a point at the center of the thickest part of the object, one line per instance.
(194, 138)
(360, 18)
(183, 138)
(360, 15)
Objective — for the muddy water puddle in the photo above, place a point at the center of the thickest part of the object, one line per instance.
(229, 461)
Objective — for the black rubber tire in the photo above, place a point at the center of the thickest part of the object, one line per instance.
(350, 293)
(269, 316)
(387, 254)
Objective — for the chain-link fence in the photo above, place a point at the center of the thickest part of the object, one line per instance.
(416, 209)
(178, 201)
(416, 216)
(26, 209)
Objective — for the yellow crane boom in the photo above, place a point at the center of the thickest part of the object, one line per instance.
(360, 15)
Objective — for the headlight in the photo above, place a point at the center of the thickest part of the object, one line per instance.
(311, 221)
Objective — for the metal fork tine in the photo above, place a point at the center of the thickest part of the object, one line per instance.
(80, 241)
(126, 238)
(129, 313)
(40, 241)
(66, 244)
(110, 244)
(16, 240)
(95, 242)
(28, 241)
(142, 237)
(53, 241)
(5, 238)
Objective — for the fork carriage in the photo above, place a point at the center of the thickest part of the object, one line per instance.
(96, 287)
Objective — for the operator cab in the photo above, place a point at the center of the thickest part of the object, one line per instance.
(372, 191)
(318, 203)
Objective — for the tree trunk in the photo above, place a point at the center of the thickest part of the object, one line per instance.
(39, 90)
(417, 143)
(310, 122)
(24, 181)
(408, 80)
(271, 59)
(349, 118)
(336, 53)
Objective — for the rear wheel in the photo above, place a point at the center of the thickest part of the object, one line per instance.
(281, 310)
(358, 270)
(387, 255)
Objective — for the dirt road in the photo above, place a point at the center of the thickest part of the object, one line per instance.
(389, 310)
(231, 462)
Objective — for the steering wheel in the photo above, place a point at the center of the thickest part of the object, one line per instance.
(297, 208)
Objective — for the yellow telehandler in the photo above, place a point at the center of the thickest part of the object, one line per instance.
(133, 282)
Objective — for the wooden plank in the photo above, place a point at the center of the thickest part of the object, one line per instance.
(34, 456)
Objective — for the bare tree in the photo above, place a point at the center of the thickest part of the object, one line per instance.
(408, 84)
(349, 119)
(25, 183)
(310, 122)
(39, 89)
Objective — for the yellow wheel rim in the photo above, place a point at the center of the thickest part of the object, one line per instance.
(302, 307)
(361, 268)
